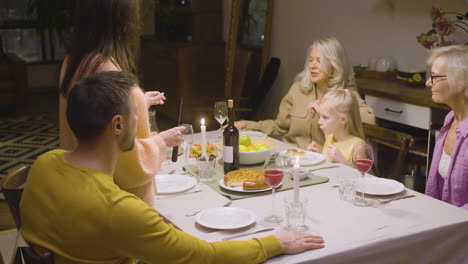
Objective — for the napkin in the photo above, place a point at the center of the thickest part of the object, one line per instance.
(233, 195)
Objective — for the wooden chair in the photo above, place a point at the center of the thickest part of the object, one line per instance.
(12, 186)
(402, 142)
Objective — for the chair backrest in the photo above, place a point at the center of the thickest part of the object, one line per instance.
(12, 186)
(400, 141)
(266, 82)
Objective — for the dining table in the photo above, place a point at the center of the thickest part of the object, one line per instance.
(418, 229)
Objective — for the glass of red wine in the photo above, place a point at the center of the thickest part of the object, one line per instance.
(363, 159)
(273, 173)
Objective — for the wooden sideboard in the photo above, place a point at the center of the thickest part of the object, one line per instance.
(399, 91)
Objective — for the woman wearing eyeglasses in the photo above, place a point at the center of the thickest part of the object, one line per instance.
(326, 68)
(448, 176)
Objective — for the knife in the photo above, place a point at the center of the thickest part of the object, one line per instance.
(248, 233)
(175, 149)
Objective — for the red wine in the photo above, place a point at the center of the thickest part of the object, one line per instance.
(273, 177)
(230, 142)
(363, 165)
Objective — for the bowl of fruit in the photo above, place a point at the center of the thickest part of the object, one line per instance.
(253, 150)
(196, 150)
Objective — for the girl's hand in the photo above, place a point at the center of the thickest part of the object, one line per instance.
(154, 98)
(314, 147)
(335, 155)
(312, 108)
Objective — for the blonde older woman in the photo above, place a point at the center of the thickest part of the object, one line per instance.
(326, 67)
(448, 176)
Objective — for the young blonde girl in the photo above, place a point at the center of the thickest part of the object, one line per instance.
(340, 121)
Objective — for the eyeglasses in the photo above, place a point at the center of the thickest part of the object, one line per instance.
(435, 77)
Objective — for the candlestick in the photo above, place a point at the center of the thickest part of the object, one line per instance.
(296, 177)
(203, 137)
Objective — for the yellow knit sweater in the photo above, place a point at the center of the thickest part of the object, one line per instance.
(82, 216)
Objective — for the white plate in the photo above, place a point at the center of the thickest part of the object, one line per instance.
(174, 183)
(379, 186)
(252, 133)
(226, 218)
(240, 189)
(310, 158)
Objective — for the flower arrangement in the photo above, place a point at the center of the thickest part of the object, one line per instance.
(443, 25)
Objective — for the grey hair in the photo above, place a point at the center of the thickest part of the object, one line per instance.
(332, 54)
(456, 57)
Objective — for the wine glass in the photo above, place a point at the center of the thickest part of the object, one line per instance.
(187, 140)
(273, 173)
(220, 112)
(363, 159)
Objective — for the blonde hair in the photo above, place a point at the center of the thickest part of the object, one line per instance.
(333, 61)
(343, 101)
(456, 57)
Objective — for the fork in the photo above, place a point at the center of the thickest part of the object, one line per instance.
(194, 213)
(394, 199)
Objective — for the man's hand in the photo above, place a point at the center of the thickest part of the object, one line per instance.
(294, 242)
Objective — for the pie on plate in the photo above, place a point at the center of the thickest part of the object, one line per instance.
(249, 179)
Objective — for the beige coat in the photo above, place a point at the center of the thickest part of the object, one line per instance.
(293, 122)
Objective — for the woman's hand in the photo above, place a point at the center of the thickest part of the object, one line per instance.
(315, 147)
(172, 137)
(154, 98)
(335, 155)
(240, 124)
(313, 107)
(294, 242)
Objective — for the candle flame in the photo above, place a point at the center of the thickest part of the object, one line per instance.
(297, 160)
(203, 121)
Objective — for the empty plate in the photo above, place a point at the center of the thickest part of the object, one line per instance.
(226, 218)
(379, 186)
(174, 183)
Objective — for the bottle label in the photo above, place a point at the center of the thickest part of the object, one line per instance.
(228, 154)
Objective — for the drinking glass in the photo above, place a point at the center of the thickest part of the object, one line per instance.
(220, 112)
(187, 140)
(273, 173)
(363, 159)
(152, 120)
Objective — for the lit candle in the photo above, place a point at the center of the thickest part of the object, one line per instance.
(296, 177)
(203, 137)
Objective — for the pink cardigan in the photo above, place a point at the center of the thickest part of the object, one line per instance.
(136, 168)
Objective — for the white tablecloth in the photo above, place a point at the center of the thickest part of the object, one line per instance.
(414, 230)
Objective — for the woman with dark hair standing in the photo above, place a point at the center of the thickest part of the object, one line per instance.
(106, 38)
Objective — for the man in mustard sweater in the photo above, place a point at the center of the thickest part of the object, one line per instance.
(72, 206)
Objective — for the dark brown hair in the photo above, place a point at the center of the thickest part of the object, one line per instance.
(96, 99)
(104, 30)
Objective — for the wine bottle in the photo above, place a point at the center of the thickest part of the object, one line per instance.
(230, 142)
